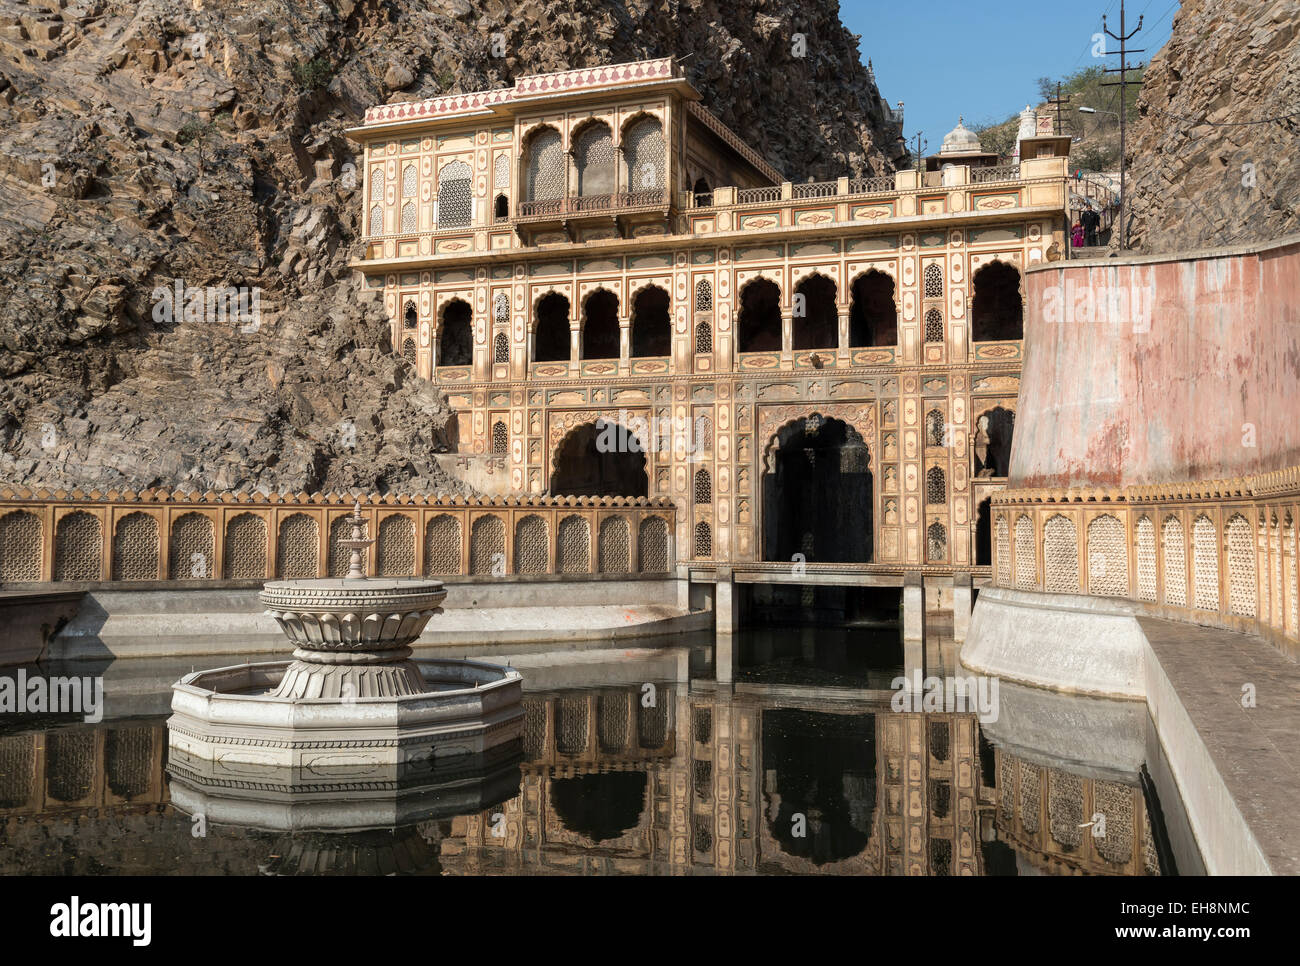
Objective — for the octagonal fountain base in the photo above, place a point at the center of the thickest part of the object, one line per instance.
(235, 716)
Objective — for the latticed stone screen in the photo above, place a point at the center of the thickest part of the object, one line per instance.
(339, 555)
(395, 548)
(78, 547)
(442, 545)
(1293, 597)
(545, 166)
(1065, 808)
(128, 760)
(1006, 785)
(1115, 801)
(70, 764)
(455, 195)
(531, 547)
(1031, 801)
(933, 281)
(1107, 557)
(297, 552)
(936, 486)
(571, 724)
(1241, 567)
(934, 428)
(704, 296)
(652, 546)
(594, 157)
(409, 182)
(377, 184)
(500, 348)
(1146, 559)
(487, 539)
(376, 220)
(1026, 565)
(933, 326)
(135, 548)
(703, 487)
(501, 309)
(573, 545)
(1002, 544)
(17, 770)
(410, 317)
(1275, 557)
(534, 728)
(614, 545)
(245, 550)
(501, 171)
(408, 351)
(500, 438)
(936, 542)
(410, 222)
(652, 723)
(1205, 564)
(703, 540)
(703, 337)
(1060, 556)
(614, 720)
(1175, 562)
(644, 149)
(20, 546)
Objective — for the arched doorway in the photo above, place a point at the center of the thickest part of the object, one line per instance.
(600, 326)
(652, 334)
(759, 325)
(997, 312)
(456, 341)
(817, 493)
(873, 314)
(984, 534)
(816, 319)
(994, 429)
(600, 459)
(551, 340)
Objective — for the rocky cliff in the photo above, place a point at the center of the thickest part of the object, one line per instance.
(141, 143)
(1213, 159)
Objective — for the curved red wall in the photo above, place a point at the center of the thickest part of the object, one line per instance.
(1155, 369)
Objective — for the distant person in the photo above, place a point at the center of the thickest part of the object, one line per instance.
(1091, 223)
(1076, 235)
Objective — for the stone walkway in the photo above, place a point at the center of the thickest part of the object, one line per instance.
(1255, 750)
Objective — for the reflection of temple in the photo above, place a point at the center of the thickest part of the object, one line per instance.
(694, 782)
(879, 793)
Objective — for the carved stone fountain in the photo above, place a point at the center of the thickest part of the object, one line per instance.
(352, 697)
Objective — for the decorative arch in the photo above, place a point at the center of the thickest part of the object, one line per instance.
(818, 326)
(595, 158)
(873, 310)
(550, 324)
(455, 195)
(997, 309)
(245, 547)
(21, 543)
(78, 547)
(652, 328)
(645, 154)
(456, 334)
(600, 329)
(578, 467)
(544, 164)
(1060, 556)
(758, 320)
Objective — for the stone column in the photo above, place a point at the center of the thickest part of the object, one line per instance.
(913, 624)
(962, 594)
(724, 613)
(787, 338)
(575, 347)
(843, 352)
(624, 345)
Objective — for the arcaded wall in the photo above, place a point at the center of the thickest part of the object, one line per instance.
(1156, 369)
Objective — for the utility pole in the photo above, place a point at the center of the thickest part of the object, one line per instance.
(1123, 84)
(1058, 100)
(919, 147)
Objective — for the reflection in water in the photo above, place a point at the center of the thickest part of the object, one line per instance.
(694, 781)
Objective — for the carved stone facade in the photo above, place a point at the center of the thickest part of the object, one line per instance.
(718, 298)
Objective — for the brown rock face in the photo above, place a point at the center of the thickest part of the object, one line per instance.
(1209, 166)
(142, 143)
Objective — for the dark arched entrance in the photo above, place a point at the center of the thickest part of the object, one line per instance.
(983, 534)
(817, 493)
(602, 806)
(600, 459)
(997, 311)
(819, 782)
(456, 342)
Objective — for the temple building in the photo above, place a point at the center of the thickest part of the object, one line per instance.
(621, 297)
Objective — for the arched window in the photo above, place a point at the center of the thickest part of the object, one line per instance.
(933, 281)
(500, 348)
(501, 308)
(409, 316)
(643, 147)
(600, 337)
(815, 319)
(936, 485)
(376, 184)
(376, 220)
(703, 486)
(408, 350)
(997, 313)
(545, 166)
(703, 540)
(759, 325)
(873, 314)
(409, 220)
(934, 424)
(933, 326)
(994, 430)
(408, 181)
(703, 337)
(551, 340)
(1060, 556)
(501, 171)
(500, 438)
(704, 295)
(501, 208)
(593, 156)
(455, 341)
(936, 543)
(454, 195)
(651, 326)
(703, 193)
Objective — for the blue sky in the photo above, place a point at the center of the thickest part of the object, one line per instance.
(980, 58)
